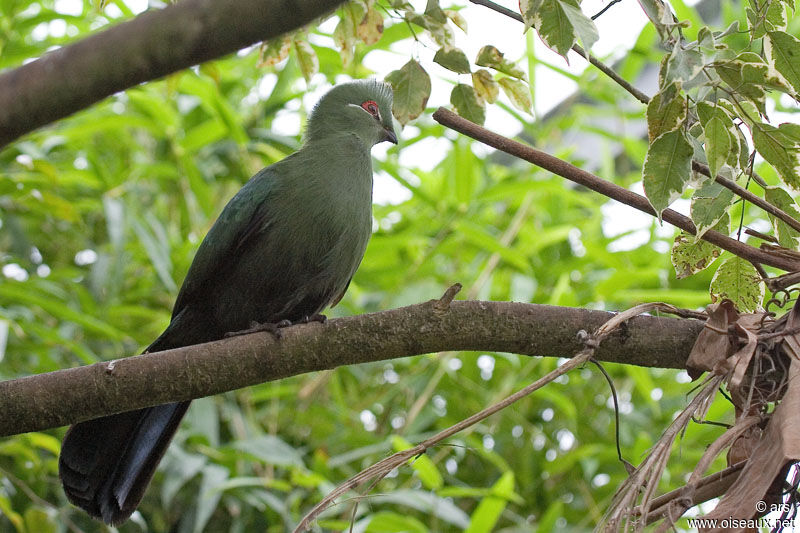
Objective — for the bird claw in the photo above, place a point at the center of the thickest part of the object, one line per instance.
(313, 318)
(275, 328)
(255, 327)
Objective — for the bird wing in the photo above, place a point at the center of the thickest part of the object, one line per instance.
(241, 220)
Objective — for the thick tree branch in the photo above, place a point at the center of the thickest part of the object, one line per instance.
(72, 395)
(148, 47)
(608, 189)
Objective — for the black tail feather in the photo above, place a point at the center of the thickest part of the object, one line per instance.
(106, 463)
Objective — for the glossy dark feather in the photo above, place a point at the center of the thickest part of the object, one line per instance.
(284, 248)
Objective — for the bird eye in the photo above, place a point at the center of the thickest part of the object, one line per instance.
(372, 108)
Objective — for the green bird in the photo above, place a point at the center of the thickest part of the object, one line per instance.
(283, 249)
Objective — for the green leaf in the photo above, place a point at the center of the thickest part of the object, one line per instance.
(710, 205)
(486, 88)
(787, 236)
(738, 280)
(214, 476)
(487, 513)
(554, 26)
(389, 522)
(270, 449)
(584, 27)
(530, 11)
(667, 168)
(491, 57)
(467, 105)
(39, 520)
(452, 59)
(666, 110)
(426, 471)
(412, 88)
(783, 54)
(152, 237)
(718, 143)
(781, 148)
(684, 64)
(690, 256)
(518, 92)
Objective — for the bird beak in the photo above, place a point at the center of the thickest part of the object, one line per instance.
(389, 135)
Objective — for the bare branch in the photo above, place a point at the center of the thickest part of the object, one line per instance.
(146, 48)
(611, 190)
(67, 396)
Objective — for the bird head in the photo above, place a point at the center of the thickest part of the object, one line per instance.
(362, 107)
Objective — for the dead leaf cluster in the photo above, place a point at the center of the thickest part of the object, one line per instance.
(756, 358)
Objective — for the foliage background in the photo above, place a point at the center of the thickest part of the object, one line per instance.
(100, 217)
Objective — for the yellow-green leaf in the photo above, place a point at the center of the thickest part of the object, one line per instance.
(370, 28)
(485, 516)
(738, 280)
(485, 85)
(274, 51)
(781, 148)
(666, 110)
(423, 466)
(306, 58)
(491, 57)
(517, 92)
(783, 54)
(690, 256)
(787, 236)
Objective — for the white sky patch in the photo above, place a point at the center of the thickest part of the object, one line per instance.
(70, 7)
(85, 257)
(369, 420)
(425, 154)
(619, 218)
(388, 191)
(15, 272)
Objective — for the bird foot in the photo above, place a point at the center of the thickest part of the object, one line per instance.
(313, 318)
(256, 327)
(275, 328)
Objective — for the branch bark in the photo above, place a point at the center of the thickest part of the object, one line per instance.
(608, 189)
(148, 47)
(67, 396)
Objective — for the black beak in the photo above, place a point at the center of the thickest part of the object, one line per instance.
(389, 135)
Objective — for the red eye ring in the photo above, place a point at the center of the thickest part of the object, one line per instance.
(371, 107)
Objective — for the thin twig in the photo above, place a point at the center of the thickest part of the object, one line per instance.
(643, 98)
(600, 13)
(608, 189)
(605, 69)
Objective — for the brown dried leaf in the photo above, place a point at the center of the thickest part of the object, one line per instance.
(791, 342)
(713, 344)
(779, 445)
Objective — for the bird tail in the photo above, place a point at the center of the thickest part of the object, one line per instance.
(106, 463)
